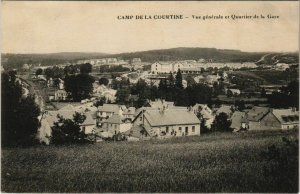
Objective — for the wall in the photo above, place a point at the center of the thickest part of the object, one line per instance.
(289, 126)
(88, 128)
(182, 132)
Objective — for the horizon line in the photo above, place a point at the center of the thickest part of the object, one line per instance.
(156, 49)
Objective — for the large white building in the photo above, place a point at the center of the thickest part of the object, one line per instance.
(165, 67)
(194, 67)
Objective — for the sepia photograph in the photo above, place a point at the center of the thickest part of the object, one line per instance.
(149, 97)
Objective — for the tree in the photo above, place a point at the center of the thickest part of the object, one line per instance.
(221, 123)
(190, 80)
(68, 131)
(49, 73)
(103, 81)
(203, 127)
(70, 69)
(122, 95)
(178, 80)
(100, 102)
(39, 71)
(240, 104)
(162, 88)
(199, 93)
(86, 68)
(171, 81)
(79, 86)
(19, 116)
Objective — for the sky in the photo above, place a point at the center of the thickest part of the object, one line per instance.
(80, 26)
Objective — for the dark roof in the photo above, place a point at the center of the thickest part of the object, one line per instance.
(257, 113)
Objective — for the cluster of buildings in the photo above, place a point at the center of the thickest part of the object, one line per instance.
(264, 118)
(162, 119)
(194, 67)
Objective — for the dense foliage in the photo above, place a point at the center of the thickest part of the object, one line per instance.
(86, 68)
(79, 86)
(19, 115)
(68, 131)
(103, 81)
(287, 97)
(221, 123)
(39, 71)
(170, 89)
(113, 68)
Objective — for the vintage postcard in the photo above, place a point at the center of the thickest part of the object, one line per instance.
(151, 96)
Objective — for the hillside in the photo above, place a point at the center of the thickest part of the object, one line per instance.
(274, 58)
(17, 60)
(228, 162)
(219, 55)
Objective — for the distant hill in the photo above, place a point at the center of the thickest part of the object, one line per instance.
(173, 54)
(218, 55)
(17, 60)
(274, 58)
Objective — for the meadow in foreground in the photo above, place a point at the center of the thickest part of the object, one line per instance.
(228, 162)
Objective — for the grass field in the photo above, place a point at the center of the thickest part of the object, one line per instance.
(228, 162)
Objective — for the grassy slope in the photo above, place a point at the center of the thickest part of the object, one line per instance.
(224, 162)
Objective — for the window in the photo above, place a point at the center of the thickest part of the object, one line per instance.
(179, 128)
(115, 126)
(167, 129)
(193, 129)
(186, 129)
(83, 129)
(141, 118)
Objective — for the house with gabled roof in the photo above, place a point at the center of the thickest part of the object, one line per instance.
(128, 114)
(107, 110)
(116, 124)
(48, 119)
(167, 122)
(263, 118)
(287, 118)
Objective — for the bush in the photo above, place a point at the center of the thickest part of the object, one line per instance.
(68, 131)
(221, 123)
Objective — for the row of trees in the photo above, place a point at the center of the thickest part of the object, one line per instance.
(57, 72)
(117, 68)
(20, 118)
(170, 89)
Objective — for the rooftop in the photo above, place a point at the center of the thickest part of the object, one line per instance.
(170, 117)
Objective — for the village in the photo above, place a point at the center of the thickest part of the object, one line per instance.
(150, 97)
(113, 115)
